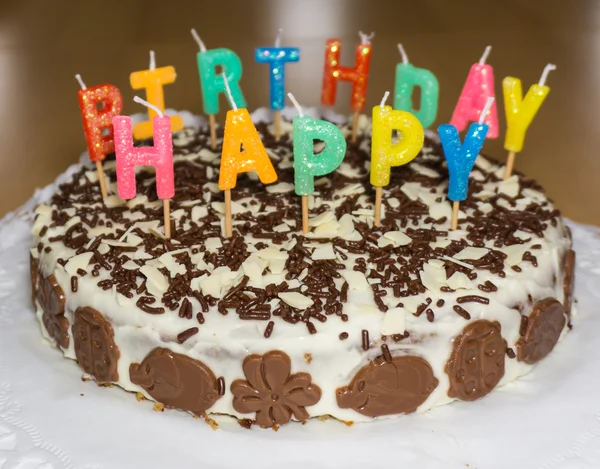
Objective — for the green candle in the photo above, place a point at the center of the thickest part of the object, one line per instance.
(409, 76)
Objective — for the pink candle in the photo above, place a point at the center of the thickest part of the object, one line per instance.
(478, 88)
(160, 155)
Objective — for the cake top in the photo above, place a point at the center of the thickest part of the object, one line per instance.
(268, 272)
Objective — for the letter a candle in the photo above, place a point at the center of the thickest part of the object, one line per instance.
(277, 57)
(160, 156)
(98, 106)
(461, 157)
(212, 83)
(475, 93)
(384, 153)
(520, 112)
(152, 80)
(358, 76)
(240, 131)
(307, 165)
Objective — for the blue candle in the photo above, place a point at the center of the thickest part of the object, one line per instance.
(277, 57)
(461, 156)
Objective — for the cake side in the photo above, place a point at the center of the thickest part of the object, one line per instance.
(350, 320)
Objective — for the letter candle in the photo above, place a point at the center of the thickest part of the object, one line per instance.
(520, 112)
(240, 131)
(277, 57)
(96, 121)
(160, 156)
(478, 87)
(461, 157)
(384, 153)
(409, 76)
(307, 165)
(358, 76)
(153, 80)
(213, 83)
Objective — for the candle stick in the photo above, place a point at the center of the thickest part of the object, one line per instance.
(240, 131)
(160, 156)
(213, 83)
(98, 106)
(153, 80)
(478, 87)
(277, 57)
(307, 165)
(407, 78)
(461, 157)
(358, 76)
(384, 153)
(520, 112)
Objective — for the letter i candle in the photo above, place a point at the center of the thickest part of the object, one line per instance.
(277, 57)
(520, 112)
(461, 157)
(307, 165)
(213, 83)
(240, 131)
(98, 120)
(358, 76)
(160, 156)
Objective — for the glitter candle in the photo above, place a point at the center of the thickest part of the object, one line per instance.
(153, 80)
(240, 132)
(98, 106)
(160, 156)
(521, 111)
(358, 76)
(478, 87)
(461, 157)
(308, 165)
(409, 76)
(277, 57)
(385, 153)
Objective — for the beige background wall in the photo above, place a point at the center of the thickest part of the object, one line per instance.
(43, 43)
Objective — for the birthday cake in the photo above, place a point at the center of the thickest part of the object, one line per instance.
(349, 320)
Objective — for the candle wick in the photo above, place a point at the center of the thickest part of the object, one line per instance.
(80, 80)
(152, 60)
(139, 100)
(486, 109)
(485, 55)
(385, 97)
(365, 38)
(296, 104)
(229, 95)
(198, 40)
(278, 38)
(547, 69)
(403, 54)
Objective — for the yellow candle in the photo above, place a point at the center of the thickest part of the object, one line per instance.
(152, 80)
(521, 111)
(385, 153)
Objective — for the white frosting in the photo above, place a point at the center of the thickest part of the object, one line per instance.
(223, 341)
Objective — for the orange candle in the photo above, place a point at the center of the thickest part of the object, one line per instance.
(240, 133)
(152, 80)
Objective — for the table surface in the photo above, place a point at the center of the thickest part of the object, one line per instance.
(44, 43)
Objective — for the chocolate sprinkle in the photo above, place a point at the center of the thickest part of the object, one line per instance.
(74, 284)
(221, 386)
(386, 353)
(473, 299)
(365, 340)
(343, 336)
(462, 312)
(185, 335)
(269, 329)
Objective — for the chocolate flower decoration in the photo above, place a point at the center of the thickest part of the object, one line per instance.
(272, 392)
